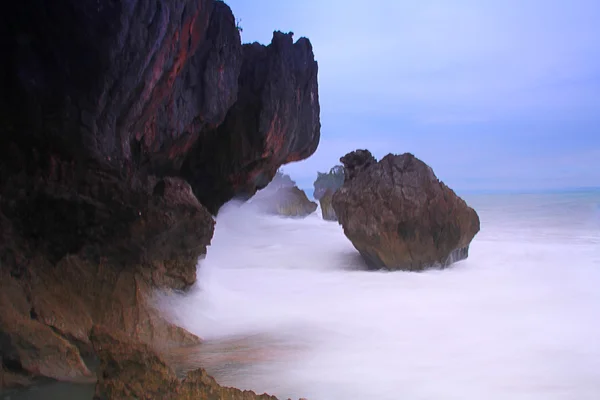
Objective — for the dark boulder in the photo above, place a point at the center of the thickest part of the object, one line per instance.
(398, 215)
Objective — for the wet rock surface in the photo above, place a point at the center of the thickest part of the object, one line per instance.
(398, 215)
(131, 370)
(72, 259)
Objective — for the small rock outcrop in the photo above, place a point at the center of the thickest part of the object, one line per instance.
(130, 370)
(293, 202)
(399, 216)
(282, 197)
(325, 186)
(326, 202)
(286, 202)
(332, 181)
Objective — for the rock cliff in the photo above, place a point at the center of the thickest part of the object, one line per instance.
(398, 215)
(123, 127)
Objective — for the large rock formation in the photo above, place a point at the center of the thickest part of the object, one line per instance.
(123, 127)
(398, 215)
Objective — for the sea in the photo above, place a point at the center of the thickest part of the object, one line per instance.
(287, 306)
(292, 304)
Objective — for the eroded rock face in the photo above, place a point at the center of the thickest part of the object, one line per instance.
(109, 110)
(327, 210)
(274, 121)
(398, 215)
(163, 88)
(130, 370)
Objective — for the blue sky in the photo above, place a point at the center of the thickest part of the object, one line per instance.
(494, 95)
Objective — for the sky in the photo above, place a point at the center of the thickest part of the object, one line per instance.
(493, 95)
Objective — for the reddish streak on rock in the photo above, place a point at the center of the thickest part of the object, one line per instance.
(184, 146)
(292, 157)
(275, 138)
(192, 32)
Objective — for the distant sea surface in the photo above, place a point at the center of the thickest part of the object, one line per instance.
(286, 307)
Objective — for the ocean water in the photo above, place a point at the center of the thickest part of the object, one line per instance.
(289, 304)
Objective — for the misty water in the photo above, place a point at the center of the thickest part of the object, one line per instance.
(519, 319)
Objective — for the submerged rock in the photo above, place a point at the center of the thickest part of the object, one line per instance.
(130, 370)
(327, 210)
(399, 216)
(285, 201)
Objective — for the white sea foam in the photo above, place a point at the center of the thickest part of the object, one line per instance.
(519, 319)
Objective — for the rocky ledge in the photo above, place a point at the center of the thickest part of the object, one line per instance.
(123, 127)
(398, 215)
